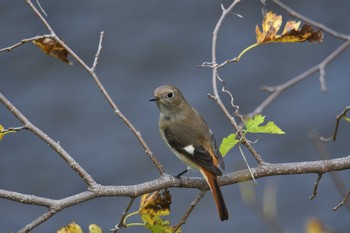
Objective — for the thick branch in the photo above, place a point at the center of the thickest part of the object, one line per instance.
(167, 181)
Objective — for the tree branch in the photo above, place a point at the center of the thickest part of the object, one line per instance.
(121, 221)
(49, 141)
(167, 181)
(314, 191)
(278, 90)
(39, 220)
(309, 21)
(22, 42)
(188, 212)
(324, 154)
(92, 73)
(215, 75)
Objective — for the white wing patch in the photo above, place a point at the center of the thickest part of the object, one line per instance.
(189, 149)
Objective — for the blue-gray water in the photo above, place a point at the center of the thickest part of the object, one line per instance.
(147, 44)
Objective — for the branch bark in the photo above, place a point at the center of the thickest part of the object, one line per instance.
(168, 181)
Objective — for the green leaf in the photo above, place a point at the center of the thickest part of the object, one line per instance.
(253, 125)
(227, 144)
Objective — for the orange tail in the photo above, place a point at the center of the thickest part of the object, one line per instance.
(216, 191)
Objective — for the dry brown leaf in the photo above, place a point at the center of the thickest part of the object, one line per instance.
(51, 47)
(157, 203)
(152, 207)
(290, 34)
(270, 26)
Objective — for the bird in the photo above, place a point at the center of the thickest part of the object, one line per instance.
(188, 136)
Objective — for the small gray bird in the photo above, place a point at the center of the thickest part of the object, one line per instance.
(189, 138)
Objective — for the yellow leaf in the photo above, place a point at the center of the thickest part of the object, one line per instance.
(270, 26)
(4, 131)
(51, 47)
(93, 228)
(1, 133)
(291, 25)
(70, 228)
(314, 225)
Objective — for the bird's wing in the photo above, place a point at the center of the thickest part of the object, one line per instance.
(195, 153)
(216, 150)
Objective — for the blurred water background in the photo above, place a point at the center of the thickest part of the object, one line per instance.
(147, 44)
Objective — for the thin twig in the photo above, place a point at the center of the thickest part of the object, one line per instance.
(247, 164)
(121, 221)
(314, 23)
(41, 8)
(97, 53)
(314, 192)
(322, 151)
(41, 17)
(225, 13)
(236, 107)
(188, 212)
(22, 42)
(42, 218)
(340, 116)
(344, 201)
(278, 90)
(13, 129)
(322, 79)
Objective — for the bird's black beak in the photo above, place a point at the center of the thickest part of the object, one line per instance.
(154, 99)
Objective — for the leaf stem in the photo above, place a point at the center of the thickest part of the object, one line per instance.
(244, 51)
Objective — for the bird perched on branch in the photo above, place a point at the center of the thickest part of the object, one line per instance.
(189, 138)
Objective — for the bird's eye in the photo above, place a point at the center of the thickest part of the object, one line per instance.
(170, 95)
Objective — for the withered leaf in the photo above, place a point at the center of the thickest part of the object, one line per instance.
(71, 228)
(270, 26)
(51, 47)
(291, 33)
(157, 202)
